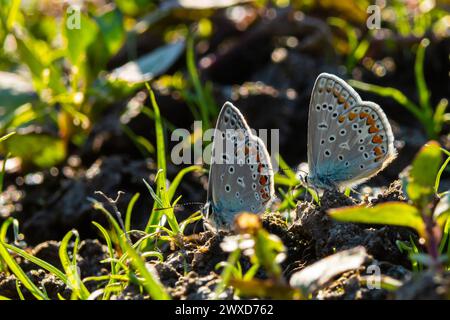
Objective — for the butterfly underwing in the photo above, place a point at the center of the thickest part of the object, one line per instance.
(241, 174)
(349, 140)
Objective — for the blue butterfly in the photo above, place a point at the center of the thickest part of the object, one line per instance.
(240, 177)
(349, 140)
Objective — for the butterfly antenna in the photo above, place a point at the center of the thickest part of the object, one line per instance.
(201, 204)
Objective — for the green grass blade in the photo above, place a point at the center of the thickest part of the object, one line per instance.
(227, 273)
(4, 228)
(41, 263)
(286, 170)
(19, 291)
(130, 211)
(424, 94)
(389, 213)
(193, 73)
(439, 174)
(20, 274)
(151, 284)
(161, 179)
(439, 116)
(70, 268)
(145, 147)
(6, 136)
(108, 243)
(176, 182)
(2, 172)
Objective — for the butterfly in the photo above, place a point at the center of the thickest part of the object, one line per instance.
(349, 140)
(241, 175)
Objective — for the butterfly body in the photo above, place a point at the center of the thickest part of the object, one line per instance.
(349, 140)
(241, 175)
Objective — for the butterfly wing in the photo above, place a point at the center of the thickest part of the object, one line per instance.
(240, 177)
(349, 140)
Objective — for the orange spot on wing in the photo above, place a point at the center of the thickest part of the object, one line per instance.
(335, 93)
(377, 139)
(262, 180)
(363, 115)
(352, 115)
(328, 89)
(377, 151)
(341, 119)
(346, 105)
(370, 121)
(341, 99)
(373, 129)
